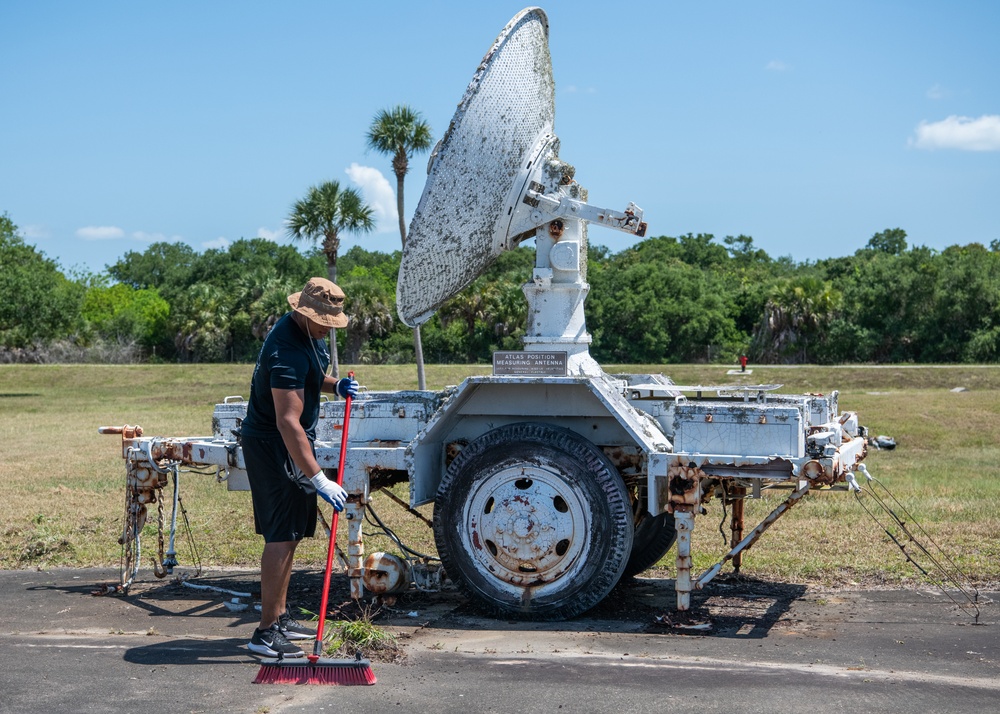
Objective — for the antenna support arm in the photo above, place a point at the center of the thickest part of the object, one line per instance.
(629, 221)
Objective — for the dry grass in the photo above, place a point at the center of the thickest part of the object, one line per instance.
(945, 471)
(61, 484)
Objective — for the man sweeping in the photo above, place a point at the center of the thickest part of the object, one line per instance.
(277, 438)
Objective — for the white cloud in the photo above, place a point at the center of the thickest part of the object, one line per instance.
(378, 195)
(268, 234)
(962, 133)
(777, 66)
(573, 89)
(221, 243)
(34, 232)
(937, 92)
(100, 233)
(155, 237)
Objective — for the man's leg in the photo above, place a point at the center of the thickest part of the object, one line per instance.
(275, 573)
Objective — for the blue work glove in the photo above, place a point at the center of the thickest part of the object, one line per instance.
(347, 387)
(330, 491)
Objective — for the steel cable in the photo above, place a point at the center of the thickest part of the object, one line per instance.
(944, 572)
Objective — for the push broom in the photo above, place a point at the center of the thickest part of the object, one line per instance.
(318, 669)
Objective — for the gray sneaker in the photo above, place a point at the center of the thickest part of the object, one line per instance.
(292, 630)
(271, 643)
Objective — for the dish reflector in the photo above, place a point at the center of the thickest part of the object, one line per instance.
(476, 174)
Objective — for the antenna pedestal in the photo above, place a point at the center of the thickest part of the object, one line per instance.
(556, 293)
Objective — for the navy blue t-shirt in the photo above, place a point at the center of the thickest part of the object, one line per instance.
(286, 361)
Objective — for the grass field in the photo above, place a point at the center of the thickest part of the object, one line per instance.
(62, 484)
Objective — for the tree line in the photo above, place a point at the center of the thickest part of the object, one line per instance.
(688, 298)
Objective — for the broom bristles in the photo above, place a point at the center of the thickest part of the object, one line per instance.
(325, 671)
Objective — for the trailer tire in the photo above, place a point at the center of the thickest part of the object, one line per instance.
(532, 521)
(653, 539)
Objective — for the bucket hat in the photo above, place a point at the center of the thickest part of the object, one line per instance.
(321, 301)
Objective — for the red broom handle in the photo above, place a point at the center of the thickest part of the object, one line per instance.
(318, 647)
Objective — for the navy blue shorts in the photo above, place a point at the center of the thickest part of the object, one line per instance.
(282, 510)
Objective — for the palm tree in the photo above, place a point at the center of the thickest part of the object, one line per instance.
(371, 314)
(203, 317)
(795, 320)
(399, 132)
(261, 294)
(327, 210)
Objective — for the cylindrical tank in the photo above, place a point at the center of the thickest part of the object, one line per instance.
(386, 574)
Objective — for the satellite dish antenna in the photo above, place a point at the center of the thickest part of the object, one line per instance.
(494, 180)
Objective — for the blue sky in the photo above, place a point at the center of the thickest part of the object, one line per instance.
(809, 126)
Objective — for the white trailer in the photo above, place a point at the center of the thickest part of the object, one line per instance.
(550, 478)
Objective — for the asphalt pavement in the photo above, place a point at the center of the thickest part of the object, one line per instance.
(171, 647)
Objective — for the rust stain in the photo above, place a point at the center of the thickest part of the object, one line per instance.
(384, 574)
(453, 449)
(626, 459)
(683, 486)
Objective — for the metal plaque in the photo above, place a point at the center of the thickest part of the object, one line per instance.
(547, 364)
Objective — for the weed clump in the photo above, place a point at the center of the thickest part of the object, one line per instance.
(344, 638)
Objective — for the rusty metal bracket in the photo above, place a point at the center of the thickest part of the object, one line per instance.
(753, 536)
(684, 523)
(354, 514)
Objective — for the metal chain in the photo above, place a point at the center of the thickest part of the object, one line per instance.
(158, 568)
(128, 529)
(130, 539)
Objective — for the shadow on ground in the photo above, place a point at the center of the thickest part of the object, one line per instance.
(733, 606)
(187, 652)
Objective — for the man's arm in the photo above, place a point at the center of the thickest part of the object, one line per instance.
(288, 407)
(329, 384)
(343, 387)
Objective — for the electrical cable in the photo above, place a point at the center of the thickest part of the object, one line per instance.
(392, 535)
(725, 515)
